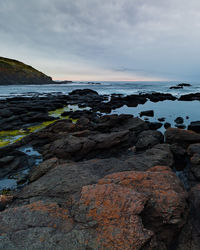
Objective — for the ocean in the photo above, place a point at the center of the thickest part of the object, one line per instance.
(105, 87)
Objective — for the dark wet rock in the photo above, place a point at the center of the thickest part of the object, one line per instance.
(154, 125)
(148, 139)
(194, 152)
(122, 122)
(98, 145)
(134, 100)
(194, 126)
(147, 113)
(180, 156)
(157, 97)
(83, 92)
(162, 119)
(167, 125)
(190, 97)
(5, 113)
(176, 87)
(189, 237)
(179, 120)
(184, 85)
(181, 126)
(13, 161)
(182, 137)
(193, 149)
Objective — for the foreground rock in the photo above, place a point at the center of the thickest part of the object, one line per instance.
(54, 180)
(128, 210)
(189, 237)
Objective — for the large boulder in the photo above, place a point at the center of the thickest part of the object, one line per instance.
(127, 210)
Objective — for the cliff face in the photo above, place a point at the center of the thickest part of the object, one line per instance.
(15, 72)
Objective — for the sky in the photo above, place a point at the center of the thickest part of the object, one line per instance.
(96, 40)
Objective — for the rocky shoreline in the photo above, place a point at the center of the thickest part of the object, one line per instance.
(90, 179)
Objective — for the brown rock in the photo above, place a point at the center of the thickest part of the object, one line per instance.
(181, 137)
(116, 204)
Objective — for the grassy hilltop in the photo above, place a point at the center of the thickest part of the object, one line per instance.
(16, 72)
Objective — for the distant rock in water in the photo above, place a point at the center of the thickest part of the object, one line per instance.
(15, 72)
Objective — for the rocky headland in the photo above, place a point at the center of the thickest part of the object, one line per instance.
(89, 179)
(13, 72)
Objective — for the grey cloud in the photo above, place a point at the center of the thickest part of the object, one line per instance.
(159, 37)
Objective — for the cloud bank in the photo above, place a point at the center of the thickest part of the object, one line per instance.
(104, 40)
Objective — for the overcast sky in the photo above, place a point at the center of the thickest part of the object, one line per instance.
(104, 39)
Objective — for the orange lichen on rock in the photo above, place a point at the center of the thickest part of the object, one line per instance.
(116, 210)
(118, 200)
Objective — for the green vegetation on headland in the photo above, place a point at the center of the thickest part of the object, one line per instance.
(16, 72)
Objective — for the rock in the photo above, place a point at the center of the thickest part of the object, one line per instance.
(147, 113)
(167, 125)
(184, 85)
(65, 179)
(194, 126)
(134, 100)
(118, 201)
(114, 123)
(194, 151)
(162, 119)
(148, 139)
(195, 165)
(179, 120)
(127, 210)
(84, 92)
(157, 97)
(36, 226)
(103, 145)
(181, 126)
(190, 97)
(37, 172)
(181, 137)
(180, 157)
(4, 201)
(176, 87)
(5, 113)
(189, 237)
(155, 125)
